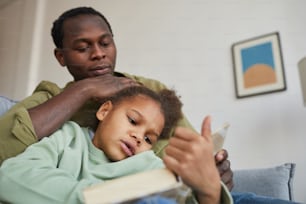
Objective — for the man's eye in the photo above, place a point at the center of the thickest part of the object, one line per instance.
(106, 42)
(103, 44)
(82, 49)
(147, 139)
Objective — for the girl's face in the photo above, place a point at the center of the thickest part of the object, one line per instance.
(129, 127)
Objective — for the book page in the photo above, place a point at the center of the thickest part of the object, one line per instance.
(132, 186)
(219, 136)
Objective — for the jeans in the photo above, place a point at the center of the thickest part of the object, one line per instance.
(239, 198)
(156, 200)
(251, 198)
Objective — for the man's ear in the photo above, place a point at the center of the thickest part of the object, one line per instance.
(58, 53)
(104, 109)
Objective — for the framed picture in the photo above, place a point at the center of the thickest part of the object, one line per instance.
(258, 66)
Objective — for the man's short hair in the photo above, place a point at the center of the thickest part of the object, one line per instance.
(57, 29)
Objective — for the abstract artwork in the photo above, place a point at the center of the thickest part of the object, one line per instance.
(258, 66)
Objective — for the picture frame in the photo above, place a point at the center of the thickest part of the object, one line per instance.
(258, 66)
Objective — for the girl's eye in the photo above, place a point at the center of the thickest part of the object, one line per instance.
(147, 139)
(132, 121)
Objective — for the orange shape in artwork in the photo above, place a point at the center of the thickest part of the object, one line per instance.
(259, 74)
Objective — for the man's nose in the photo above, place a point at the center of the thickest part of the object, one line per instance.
(97, 52)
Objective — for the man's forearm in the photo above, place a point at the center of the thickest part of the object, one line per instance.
(49, 116)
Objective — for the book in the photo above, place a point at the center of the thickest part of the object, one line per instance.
(218, 137)
(161, 182)
(129, 189)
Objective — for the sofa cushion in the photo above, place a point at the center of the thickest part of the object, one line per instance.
(5, 104)
(275, 182)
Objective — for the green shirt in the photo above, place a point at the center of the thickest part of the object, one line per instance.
(59, 167)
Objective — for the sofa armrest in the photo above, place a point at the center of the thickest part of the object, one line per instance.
(275, 182)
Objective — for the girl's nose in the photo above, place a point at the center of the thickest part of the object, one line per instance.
(137, 139)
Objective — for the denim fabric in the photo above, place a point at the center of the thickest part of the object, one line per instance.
(156, 200)
(251, 198)
(5, 104)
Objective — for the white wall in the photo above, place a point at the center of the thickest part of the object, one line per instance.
(186, 44)
(17, 22)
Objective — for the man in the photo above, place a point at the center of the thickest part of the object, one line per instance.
(86, 47)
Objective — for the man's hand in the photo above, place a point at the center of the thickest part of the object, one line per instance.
(105, 85)
(224, 168)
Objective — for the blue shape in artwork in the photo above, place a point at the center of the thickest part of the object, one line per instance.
(259, 54)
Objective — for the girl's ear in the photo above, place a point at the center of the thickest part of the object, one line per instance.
(59, 56)
(104, 110)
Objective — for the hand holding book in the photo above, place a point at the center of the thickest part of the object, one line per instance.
(191, 157)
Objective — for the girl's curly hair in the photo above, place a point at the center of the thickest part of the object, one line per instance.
(170, 104)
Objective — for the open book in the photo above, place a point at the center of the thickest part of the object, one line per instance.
(129, 189)
(162, 182)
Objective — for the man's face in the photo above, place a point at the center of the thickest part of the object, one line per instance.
(129, 127)
(88, 47)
